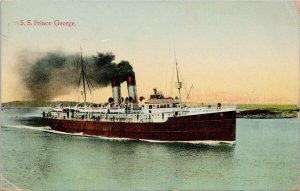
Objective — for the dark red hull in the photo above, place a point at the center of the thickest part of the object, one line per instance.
(211, 126)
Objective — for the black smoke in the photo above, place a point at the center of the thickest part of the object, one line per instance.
(49, 76)
(55, 74)
(104, 69)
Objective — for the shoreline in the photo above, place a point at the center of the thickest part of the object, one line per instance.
(247, 111)
(267, 114)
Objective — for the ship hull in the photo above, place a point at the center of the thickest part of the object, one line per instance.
(220, 126)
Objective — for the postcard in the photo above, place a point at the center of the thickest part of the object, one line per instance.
(149, 95)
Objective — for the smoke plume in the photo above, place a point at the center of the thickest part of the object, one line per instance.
(104, 69)
(55, 74)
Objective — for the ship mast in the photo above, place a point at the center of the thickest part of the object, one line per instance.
(83, 77)
(178, 83)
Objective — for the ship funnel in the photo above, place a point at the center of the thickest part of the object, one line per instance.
(116, 90)
(132, 91)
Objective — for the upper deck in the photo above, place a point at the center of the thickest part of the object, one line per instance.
(141, 114)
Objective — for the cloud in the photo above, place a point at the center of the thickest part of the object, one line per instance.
(104, 40)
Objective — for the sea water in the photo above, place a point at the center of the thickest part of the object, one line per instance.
(264, 157)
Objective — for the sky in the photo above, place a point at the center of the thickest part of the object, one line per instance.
(229, 51)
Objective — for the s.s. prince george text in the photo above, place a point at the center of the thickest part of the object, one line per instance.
(42, 23)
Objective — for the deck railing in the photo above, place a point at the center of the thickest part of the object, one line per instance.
(137, 117)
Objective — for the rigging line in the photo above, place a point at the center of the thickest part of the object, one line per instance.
(79, 80)
(187, 97)
(76, 95)
(89, 82)
(76, 61)
(183, 82)
(83, 77)
(88, 79)
(172, 79)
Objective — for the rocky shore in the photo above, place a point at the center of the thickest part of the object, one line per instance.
(267, 114)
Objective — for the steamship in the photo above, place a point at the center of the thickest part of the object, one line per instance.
(159, 118)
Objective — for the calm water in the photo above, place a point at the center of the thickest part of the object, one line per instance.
(265, 157)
